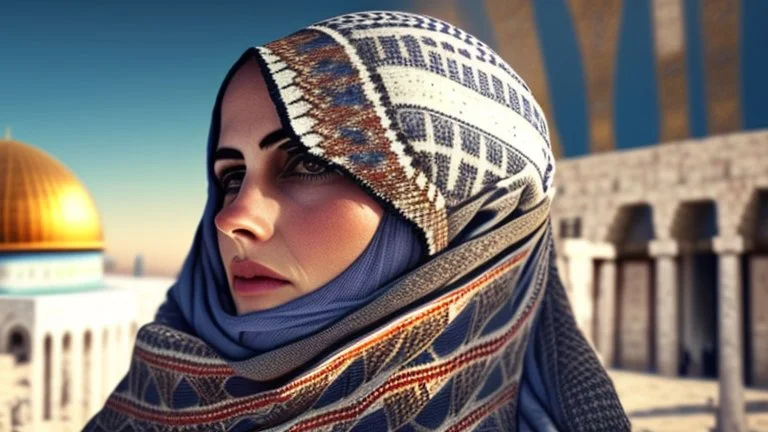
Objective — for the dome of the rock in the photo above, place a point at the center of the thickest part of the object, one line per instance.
(43, 206)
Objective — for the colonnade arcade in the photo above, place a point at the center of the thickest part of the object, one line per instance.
(678, 287)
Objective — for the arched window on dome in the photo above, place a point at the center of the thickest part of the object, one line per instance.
(18, 344)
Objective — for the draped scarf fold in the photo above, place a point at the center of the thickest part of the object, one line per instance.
(478, 336)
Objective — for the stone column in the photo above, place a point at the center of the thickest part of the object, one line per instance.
(57, 372)
(107, 351)
(37, 366)
(99, 361)
(95, 361)
(667, 337)
(580, 282)
(730, 354)
(74, 413)
(606, 315)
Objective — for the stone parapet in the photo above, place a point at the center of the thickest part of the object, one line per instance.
(726, 169)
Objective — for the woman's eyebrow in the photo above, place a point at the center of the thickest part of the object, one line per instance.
(227, 153)
(270, 139)
(273, 137)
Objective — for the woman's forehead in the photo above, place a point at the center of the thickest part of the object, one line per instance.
(247, 112)
(246, 89)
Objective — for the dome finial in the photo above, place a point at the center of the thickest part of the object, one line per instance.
(8, 133)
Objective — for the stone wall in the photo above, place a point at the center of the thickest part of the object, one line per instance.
(79, 348)
(726, 169)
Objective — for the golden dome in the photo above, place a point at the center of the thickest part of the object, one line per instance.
(43, 206)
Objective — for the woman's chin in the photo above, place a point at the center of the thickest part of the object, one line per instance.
(250, 303)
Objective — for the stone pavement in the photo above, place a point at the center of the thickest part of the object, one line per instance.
(659, 404)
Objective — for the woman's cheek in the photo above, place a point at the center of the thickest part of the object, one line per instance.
(327, 236)
(336, 226)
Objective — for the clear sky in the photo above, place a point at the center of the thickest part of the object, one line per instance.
(121, 92)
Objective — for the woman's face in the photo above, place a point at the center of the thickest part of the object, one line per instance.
(289, 223)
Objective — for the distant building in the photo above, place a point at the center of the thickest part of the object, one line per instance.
(138, 266)
(66, 331)
(109, 264)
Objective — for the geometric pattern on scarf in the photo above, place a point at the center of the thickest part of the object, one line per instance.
(451, 364)
(178, 383)
(418, 111)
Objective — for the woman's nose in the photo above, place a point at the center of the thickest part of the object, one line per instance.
(249, 217)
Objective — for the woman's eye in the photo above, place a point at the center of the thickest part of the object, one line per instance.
(310, 167)
(231, 180)
(306, 166)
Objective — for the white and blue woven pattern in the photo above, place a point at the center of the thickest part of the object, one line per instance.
(439, 109)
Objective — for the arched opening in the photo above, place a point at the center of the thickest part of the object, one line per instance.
(635, 293)
(761, 227)
(563, 228)
(595, 299)
(106, 363)
(19, 344)
(755, 305)
(66, 376)
(47, 369)
(695, 227)
(634, 231)
(87, 355)
(570, 228)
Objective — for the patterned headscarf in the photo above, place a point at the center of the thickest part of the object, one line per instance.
(480, 336)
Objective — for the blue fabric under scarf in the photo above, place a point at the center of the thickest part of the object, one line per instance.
(394, 249)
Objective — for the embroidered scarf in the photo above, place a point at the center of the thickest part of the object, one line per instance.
(479, 336)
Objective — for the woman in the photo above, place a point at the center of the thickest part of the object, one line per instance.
(375, 252)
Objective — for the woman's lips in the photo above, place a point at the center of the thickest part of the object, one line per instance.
(256, 285)
(251, 278)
